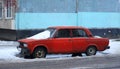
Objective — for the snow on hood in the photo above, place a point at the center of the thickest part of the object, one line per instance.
(97, 36)
(42, 35)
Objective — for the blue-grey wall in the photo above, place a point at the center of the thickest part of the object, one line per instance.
(99, 19)
(43, 20)
(36, 14)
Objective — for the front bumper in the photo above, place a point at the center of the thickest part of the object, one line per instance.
(24, 52)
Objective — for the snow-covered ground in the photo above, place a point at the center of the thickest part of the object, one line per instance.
(8, 51)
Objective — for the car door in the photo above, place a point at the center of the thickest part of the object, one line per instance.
(79, 38)
(61, 42)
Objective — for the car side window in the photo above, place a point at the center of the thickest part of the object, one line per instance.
(78, 33)
(63, 33)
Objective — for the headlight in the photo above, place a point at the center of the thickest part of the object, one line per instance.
(25, 45)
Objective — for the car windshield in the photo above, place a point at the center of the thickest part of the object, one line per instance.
(43, 35)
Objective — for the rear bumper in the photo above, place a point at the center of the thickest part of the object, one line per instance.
(108, 47)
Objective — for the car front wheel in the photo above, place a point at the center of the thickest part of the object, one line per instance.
(39, 53)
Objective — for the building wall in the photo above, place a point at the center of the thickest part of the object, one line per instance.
(36, 14)
(99, 19)
(7, 22)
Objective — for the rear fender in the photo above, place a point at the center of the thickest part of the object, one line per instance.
(93, 45)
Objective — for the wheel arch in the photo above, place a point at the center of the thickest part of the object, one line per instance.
(92, 46)
(41, 46)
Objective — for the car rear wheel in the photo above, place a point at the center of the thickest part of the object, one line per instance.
(39, 53)
(91, 51)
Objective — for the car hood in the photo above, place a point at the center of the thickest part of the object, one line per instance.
(40, 36)
(26, 40)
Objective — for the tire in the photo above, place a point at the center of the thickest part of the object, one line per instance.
(91, 51)
(39, 53)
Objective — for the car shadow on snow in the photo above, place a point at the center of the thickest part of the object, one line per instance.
(54, 56)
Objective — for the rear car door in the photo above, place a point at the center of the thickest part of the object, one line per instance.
(79, 37)
(62, 41)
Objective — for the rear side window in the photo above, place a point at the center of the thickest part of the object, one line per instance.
(63, 33)
(78, 33)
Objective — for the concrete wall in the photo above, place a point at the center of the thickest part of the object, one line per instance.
(88, 13)
(43, 20)
(86, 19)
(7, 34)
(7, 23)
(99, 19)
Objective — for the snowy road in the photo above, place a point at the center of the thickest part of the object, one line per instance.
(102, 62)
(8, 52)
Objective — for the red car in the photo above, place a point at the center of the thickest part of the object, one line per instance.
(62, 40)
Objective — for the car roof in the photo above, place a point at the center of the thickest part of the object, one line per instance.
(67, 27)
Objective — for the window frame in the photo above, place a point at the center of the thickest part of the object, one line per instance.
(56, 34)
(79, 33)
(6, 11)
(2, 10)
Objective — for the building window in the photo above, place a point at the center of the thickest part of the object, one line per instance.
(0, 9)
(8, 9)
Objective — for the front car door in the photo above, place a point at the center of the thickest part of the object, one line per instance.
(61, 42)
